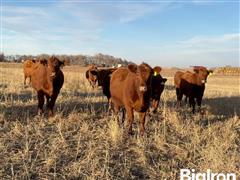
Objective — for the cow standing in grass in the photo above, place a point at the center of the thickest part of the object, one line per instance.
(47, 79)
(192, 85)
(130, 88)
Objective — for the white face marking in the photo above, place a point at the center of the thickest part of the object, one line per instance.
(53, 74)
(143, 88)
(203, 81)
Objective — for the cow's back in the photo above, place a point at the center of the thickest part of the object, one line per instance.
(189, 77)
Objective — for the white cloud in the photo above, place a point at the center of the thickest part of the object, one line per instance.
(200, 50)
(72, 23)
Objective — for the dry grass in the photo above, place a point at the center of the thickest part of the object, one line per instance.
(81, 142)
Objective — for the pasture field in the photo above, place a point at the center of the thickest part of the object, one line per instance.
(82, 142)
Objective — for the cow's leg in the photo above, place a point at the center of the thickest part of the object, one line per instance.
(91, 84)
(177, 91)
(186, 99)
(40, 95)
(48, 100)
(109, 106)
(30, 80)
(130, 117)
(192, 103)
(51, 103)
(116, 112)
(123, 115)
(199, 102)
(179, 96)
(154, 107)
(24, 82)
(106, 92)
(142, 116)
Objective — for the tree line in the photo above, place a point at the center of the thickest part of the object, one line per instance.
(82, 60)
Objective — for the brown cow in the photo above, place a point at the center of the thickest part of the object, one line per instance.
(158, 83)
(192, 85)
(92, 79)
(47, 80)
(131, 87)
(177, 80)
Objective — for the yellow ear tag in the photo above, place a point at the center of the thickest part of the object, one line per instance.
(210, 73)
(155, 73)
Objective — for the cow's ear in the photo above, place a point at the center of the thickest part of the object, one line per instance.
(66, 62)
(157, 70)
(164, 79)
(210, 72)
(132, 68)
(94, 72)
(112, 69)
(196, 70)
(60, 63)
(43, 61)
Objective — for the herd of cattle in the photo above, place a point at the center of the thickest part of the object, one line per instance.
(135, 87)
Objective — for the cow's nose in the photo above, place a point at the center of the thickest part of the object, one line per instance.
(53, 74)
(143, 88)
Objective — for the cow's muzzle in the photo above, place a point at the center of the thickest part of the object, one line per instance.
(53, 74)
(143, 88)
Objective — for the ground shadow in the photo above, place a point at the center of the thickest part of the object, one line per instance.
(69, 106)
(81, 94)
(27, 95)
(226, 106)
(24, 105)
(22, 97)
(213, 110)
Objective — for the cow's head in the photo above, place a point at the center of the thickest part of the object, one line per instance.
(202, 73)
(54, 65)
(142, 77)
(92, 75)
(102, 76)
(157, 70)
(43, 61)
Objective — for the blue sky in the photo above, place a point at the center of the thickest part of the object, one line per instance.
(165, 33)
